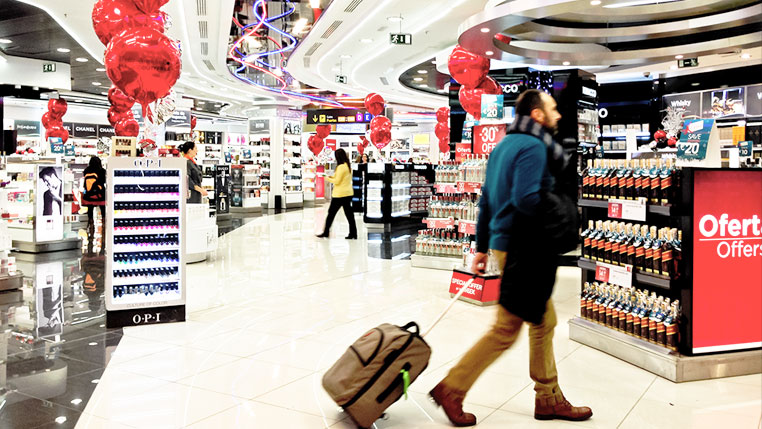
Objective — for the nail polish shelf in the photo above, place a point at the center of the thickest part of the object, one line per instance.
(145, 197)
(150, 214)
(137, 248)
(127, 232)
(146, 180)
(144, 265)
(140, 280)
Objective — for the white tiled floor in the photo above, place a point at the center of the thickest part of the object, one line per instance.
(276, 306)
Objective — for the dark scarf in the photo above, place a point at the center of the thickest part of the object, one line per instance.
(526, 125)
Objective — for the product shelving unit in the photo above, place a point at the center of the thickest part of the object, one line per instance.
(260, 149)
(695, 359)
(145, 263)
(246, 188)
(387, 191)
(292, 171)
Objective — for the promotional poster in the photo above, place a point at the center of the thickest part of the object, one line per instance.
(49, 202)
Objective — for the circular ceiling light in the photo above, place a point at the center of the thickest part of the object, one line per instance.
(745, 56)
(595, 2)
(678, 57)
(82, 60)
(418, 79)
(346, 57)
(63, 50)
(394, 19)
(5, 41)
(566, 63)
(423, 71)
(366, 41)
(489, 53)
(485, 30)
(100, 69)
(97, 84)
(423, 85)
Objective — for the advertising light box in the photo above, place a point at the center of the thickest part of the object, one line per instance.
(727, 260)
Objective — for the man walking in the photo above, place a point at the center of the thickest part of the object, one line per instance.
(513, 204)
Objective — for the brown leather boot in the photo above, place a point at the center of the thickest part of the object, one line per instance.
(551, 408)
(451, 402)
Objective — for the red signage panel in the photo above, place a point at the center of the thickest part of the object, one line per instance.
(331, 143)
(461, 150)
(486, 137)
(727, 260)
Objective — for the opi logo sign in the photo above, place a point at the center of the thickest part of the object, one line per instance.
(681, 103)
(147, 163)
(146, 318)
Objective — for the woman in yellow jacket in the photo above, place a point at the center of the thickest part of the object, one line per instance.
(341, 196)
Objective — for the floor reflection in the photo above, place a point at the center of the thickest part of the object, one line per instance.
(54, 345)
(395, 244)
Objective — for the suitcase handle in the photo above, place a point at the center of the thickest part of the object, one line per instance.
(452, 302)
(407, 327)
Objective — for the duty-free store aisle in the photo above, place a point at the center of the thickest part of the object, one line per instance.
(276, 306)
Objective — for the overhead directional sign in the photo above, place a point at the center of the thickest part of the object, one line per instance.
(687, 62)
(341, 79)
(337, 116)
(401, 38)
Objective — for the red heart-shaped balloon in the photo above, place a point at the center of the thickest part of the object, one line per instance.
(442, 130)
(116, 116)
(48, 121)
(380, 137)
(315, 144)
(660, 135)
(381, 123)
(119, 101)
(672, 142)
(323, 131)
(444, 146)
(443, 114)
(466, 68)
(127, 128)
(110, 18)
(143, 63)
(471, 99)
(57, 132)
(374, 104)
(149, 6)
(193, 122)
(57, 107)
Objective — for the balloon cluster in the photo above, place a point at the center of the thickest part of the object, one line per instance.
(52, 120)
(380, 126)
(362, 145)
(141, 61)
(315, 143)
(662, 140)
(442, 130)
(470, 71)
(120, 113)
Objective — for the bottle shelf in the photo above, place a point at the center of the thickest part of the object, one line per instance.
(639, 276)
(657, 209)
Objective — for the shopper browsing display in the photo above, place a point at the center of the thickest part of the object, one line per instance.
(341, 196)
(189, 151)
(513, 199)
(94, 195)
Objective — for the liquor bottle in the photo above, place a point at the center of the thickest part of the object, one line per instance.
(591, 307)
(607, 306)
(607, 226)
(666, 254)
(595, 245)
(631, 301)
(616, 239)
(616, 307)
(598, 305)
(586, 239)
(671, 328)
(629, 190)
(645, 314)
(622, 180)
(586, 179)
(657, 245)
(583, 300)
(600, 171)
(653, 317)
(665, 181)
(613, 182)
(645, 175)
(654, 174)
(640, 253)
(648, 264)
(631, 236)
(637, 178)
(677, 253)
(661, 332)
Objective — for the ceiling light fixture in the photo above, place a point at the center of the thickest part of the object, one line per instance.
(63, 50)
(97, 84)
(76, 401)
(489, 53)
(82, 60)
(745, 56)
(366, 40)
(423, 71)
(595, 2)
(485, 30)
(695, 84)
(100, 69)
(638, 3)
(345, 57)
(418, 79)
(315, 4)
(5, 41)
(394, 18)
(566, 63)
(423, 85)
(678, 57)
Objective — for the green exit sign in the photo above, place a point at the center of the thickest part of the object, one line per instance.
(401, 39)
(687, 62)
(49, 67)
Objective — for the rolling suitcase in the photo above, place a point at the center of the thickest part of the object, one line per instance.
(377, 369)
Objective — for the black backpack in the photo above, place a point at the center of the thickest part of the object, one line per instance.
(94, 190)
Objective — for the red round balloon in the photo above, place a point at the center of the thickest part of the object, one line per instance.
(442, 130)
(374, 104)
(323, 131)
(381, 123)
(149, 6)
(672, 142)
(111, 17)
(119, 101)
(380, 137)
(660, 135)
(48, 121)
(315, 144)
(444, 146)
(443, 114)
(194, 120)
(127, 128)
(56, 131)
(143, 63)
(471, 99)
(57, 107)
(467, 68)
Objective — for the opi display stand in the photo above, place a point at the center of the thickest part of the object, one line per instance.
(718, 287)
